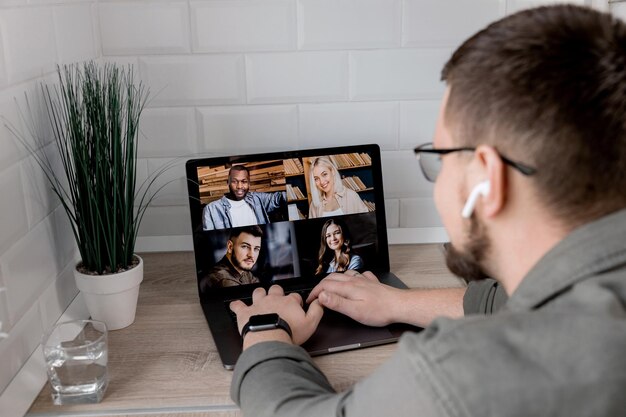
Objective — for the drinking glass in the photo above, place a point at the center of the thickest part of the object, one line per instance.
(76, 361)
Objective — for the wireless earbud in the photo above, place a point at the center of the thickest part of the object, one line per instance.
(481, 189)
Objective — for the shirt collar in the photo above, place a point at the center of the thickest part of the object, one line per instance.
(589, 250)
(337, 193)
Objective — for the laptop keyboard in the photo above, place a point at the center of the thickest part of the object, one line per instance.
(248, 301)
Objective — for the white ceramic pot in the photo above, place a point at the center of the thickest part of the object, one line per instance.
(112, 298)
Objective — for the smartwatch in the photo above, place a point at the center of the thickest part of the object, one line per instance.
(262, 322)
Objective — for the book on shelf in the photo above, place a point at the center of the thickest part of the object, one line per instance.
(351, 160)
(294, 192)
(295, 213)
(293, 166)
(353, 183)
(370, 206)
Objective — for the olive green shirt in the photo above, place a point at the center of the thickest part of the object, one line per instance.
(556, 348)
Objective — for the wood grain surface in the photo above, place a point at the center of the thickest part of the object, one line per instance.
(166, 363)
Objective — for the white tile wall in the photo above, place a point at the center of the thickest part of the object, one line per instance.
(23, 338)
(517, 5)
(168, 132)
(11, 3)
(57, 297)
(3, 74)
(65, 247)
(4, 309)
(297, 77)
(397, 73)
(241, 129)
(130, 28)
(13, 221)
(431, 23)
(418, 212)
(33, 37)
(75, 33)
(170, 184)
(11, 150)
(194, 80)
(392, 213)
(249, 25)
(619, 10)
(25, 279)
(39, 198)
(349, 124)
(349, 24)
(417, 122)
(29, 42)
(402, 177)
(166, 221)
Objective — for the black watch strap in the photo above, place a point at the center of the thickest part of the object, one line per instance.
(262, 322)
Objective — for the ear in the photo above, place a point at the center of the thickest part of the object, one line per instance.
(229, 246)
(493, 170)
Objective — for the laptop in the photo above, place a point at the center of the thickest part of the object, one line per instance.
(285, 235)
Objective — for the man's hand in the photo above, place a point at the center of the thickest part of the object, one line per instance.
(288, 307)
(359, 296)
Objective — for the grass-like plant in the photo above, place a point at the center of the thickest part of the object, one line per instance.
(94, 115)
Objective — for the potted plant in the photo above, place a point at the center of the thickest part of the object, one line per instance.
(94, 115)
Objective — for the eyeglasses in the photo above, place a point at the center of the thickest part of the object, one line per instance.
(430, 160)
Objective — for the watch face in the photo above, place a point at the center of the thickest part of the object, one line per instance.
(264, 319)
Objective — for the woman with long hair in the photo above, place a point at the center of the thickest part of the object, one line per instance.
(329, 197)
(335, 253)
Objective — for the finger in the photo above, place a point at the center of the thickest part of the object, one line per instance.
(236, 306)
(314, 313)
(341, 276)
(338, 303)
(323, 284)
(297, 297)
(369, 275)
(276, 290)
(258, 293)
(343, 289)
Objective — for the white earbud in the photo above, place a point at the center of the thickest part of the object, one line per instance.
(481, 189)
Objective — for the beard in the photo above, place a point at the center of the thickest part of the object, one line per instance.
(241, 265)
(466, 263)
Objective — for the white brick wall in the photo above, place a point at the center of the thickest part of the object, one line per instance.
(349, 24)
(297, 77)
(134, 28)
(429, 23)
(226, 76)
(235, 26)
(245, 129)
(37, 250)
(349, 124)
(29, 43)
(194, 79)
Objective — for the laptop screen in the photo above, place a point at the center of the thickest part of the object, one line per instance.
(286, 218)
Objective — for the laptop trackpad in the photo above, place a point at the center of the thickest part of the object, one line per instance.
(337, 332)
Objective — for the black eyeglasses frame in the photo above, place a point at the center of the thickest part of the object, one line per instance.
(523, 169)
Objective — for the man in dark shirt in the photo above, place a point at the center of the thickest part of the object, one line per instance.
(529, 171)
(235, 268)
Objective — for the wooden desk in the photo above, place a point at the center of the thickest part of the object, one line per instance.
(166, 362)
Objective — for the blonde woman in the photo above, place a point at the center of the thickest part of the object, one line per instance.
(328, 195)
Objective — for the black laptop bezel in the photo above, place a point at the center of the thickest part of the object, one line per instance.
(195, 207)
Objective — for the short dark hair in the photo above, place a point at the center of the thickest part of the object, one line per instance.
(255, 231)
(236, 168)
(547, 87)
